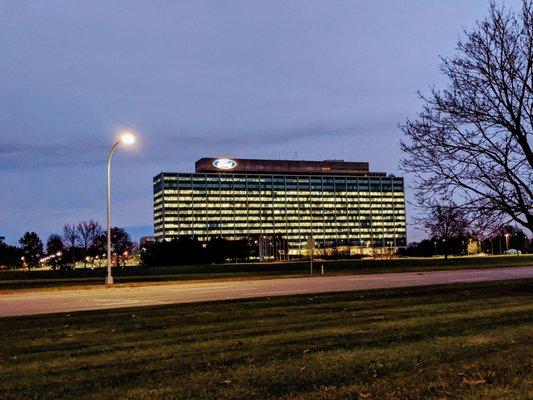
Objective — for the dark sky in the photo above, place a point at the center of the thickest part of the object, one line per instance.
(256, 79)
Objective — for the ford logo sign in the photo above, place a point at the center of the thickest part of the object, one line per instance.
(224, 163)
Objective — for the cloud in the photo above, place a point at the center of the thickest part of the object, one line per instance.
(26, 155)
(275, 137)
(15, 156)
(11, 150)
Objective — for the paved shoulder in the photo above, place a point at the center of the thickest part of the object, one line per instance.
(45, 302)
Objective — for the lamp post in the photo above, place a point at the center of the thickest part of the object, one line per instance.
(126, 138)
(507, 241)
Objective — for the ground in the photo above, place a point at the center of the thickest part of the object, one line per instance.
(13, 280)
(467, 341)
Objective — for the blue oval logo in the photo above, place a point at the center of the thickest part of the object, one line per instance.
(225, 163)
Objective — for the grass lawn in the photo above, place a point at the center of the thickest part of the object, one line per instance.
(467, 341)
(11, 280)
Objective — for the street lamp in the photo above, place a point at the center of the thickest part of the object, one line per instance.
(507, 241)
(126, 138)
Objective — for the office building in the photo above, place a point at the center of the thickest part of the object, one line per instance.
(337, 205)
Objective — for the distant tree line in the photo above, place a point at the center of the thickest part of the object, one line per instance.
(509, 237)
(448, 228)
(85, 241)
(187, 250)
(9, 255)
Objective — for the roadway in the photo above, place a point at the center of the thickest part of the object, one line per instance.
(35, 302)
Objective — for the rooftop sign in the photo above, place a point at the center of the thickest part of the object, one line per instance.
(224, 163)
(290, 167)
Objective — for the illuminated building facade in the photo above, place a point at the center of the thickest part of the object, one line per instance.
(341, 205)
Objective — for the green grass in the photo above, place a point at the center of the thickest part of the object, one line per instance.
(10, 280)
(471, 341)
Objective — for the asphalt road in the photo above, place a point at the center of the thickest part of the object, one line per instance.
(70, 300)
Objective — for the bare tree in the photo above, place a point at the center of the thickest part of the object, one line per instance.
(88, 231)
(444, 222)
(95, 232)
(71, 238)
(472, 141)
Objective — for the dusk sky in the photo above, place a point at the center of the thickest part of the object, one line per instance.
(313, 80)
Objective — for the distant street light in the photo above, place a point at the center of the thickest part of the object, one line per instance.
(507, 241)
(126, 138)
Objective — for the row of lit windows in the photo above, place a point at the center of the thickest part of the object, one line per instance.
(284, 193)
(255, 215)
(270, 192)
(295, 240)
(282, 206)
(226, 226)
(228, 203)
(283, 188)
(347, 219)
(281, 217)
(293, 204)
(250, 228)
(257, 203)
(281, 202)
(277, 189)
(315, 186)
(331, 232)
(298, 237)
(218, 202)
(288, 212)
(210, 177)
(266, 178)
(279, 210)
(291, 184)
(305, 209)
(285, 217)
(279, 192)
(340, 209)
(284, 221)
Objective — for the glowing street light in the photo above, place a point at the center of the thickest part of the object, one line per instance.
(507, 241)
(126, 138)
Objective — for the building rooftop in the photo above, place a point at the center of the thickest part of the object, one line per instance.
(294, 167)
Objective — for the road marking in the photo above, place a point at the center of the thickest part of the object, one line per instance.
(283, 292)
(109, 302)
(364, 277)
